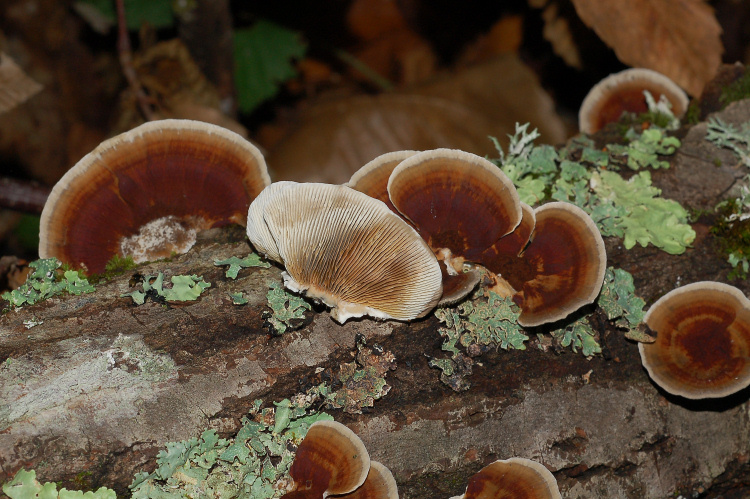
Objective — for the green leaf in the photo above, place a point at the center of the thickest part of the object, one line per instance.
(263, 57)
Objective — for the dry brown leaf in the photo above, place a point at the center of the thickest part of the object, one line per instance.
(15, 86)
(678, 38)
(459, 110)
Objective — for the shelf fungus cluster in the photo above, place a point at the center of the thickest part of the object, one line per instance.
(551, 259)
(702, 347)
(146, 193)
(333, 461)
(624, 92)
(346, 249)
(515, 477)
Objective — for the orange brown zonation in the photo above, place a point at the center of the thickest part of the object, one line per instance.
(702, 347)
(456, 200)
(516, 478)
(372, 179)
(179, 168)
(379, 484)
(331, 460)
(351, 252)
(566, 261)
(623, 92)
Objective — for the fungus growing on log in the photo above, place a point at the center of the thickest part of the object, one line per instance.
(145, 193)
(457, 200)
(553, 258)
(331, 460)
(702, 347)
(347, 250)
(372, 179)
(623, 92)
(561, 269)
(379, 484)
(515, 478)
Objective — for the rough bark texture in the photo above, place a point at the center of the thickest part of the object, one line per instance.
(94, 392)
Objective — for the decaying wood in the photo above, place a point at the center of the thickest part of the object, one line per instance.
(101, 384)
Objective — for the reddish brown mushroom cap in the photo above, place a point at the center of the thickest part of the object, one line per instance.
(331, 460)
(372, 179)
(456, 200)
(503, 254)
(514, 478)
(702, 347)
(623, 91)
(563, 265)
(181, 175)
(379, 484)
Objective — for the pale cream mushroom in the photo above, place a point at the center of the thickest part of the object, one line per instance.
(347, 250)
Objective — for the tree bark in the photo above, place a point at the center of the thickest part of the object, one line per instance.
(90, 395)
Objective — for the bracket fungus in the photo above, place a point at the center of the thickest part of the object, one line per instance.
(345, 249)
(145, 193)
(379, 484)
(331, 460)
(515, 478)
(624, 91)
(553, 258)
(372, 179)
(702, 347)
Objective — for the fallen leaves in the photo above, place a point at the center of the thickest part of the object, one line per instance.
(678, 38)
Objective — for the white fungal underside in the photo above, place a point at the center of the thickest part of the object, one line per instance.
(346, 249)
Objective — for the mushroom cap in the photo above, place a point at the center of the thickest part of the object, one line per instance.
(331, 460)
(379, 484)
(563, 265)
(514, 478)
(457, 286)
(372, 179)
(623, 91)
(702, 347)
(199, 174)
(506, 250)
(351, 252)
(456, 200)
(257, 230)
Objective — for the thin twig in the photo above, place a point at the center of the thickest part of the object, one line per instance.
(126, 61)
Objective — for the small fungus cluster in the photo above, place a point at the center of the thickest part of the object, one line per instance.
(551, 259)
(332, 460)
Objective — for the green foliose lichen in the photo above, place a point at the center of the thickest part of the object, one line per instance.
(288, 309)
(579, 335)
(731, 137)
(45, 281)
(184, 288)
(577, 174)
(643, 150)
(254, 464)
(362, 381)
(650, 219)
(491, 321)
(236, 263)
(24, 485)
